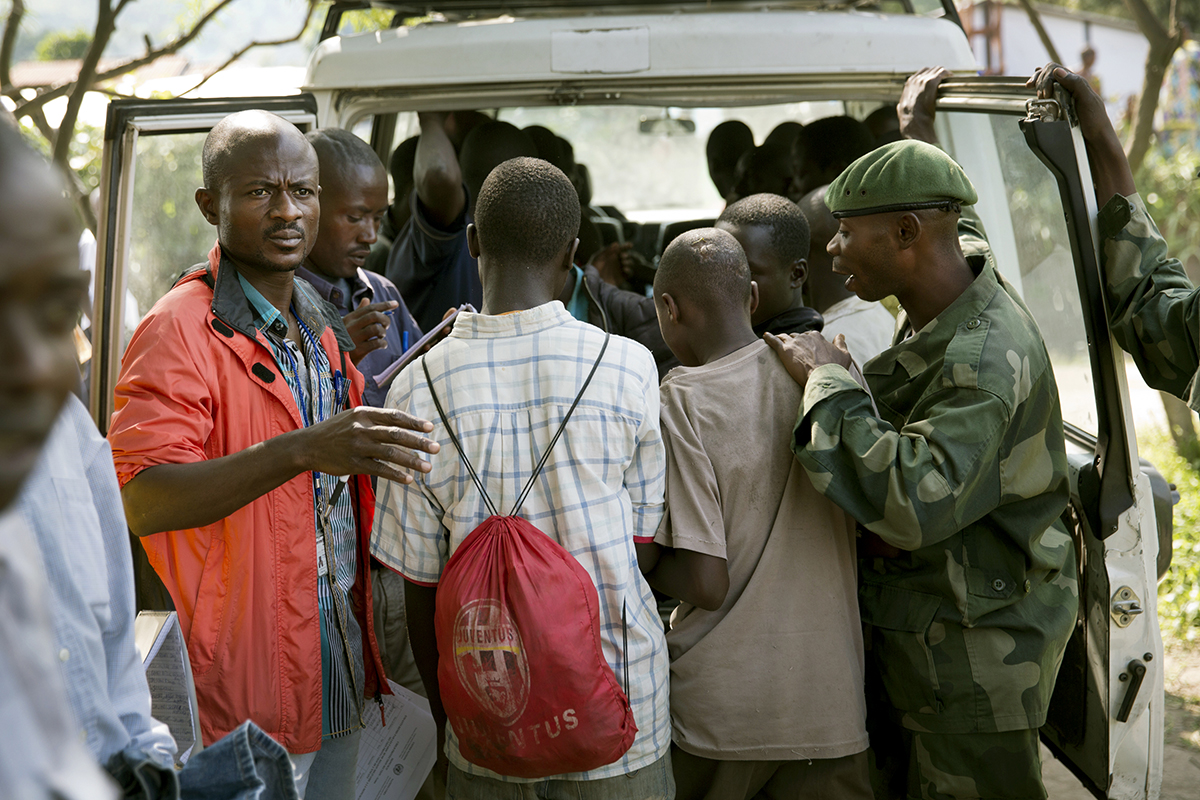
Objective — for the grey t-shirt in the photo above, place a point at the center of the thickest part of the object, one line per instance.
(777, 672)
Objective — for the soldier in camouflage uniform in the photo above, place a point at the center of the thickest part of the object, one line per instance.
(971, 595)
(1153, 309)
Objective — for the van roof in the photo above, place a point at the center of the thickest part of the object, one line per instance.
(490, 59)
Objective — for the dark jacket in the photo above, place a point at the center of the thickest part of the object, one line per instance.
(629, 314)
(794, 320)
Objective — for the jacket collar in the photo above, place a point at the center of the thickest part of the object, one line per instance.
(911, 353)
(232, 307)
(795, 320)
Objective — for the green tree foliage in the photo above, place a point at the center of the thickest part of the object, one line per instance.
(62, 45)
(1179, 591)
(1188, 12)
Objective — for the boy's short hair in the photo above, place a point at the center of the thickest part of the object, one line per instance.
(527, 212)
(707, 266)
(783, 218)
(337, 148)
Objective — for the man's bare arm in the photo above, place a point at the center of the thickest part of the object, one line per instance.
(695, 578)
(419, 603)
(436, 173)
(1110, 168)
(361, 441)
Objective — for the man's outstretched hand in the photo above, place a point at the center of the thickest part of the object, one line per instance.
(801, 353)
(383, 442)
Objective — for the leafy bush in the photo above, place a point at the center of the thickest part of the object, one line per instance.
(1179, 591)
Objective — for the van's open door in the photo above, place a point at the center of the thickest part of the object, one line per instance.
(150, 229)
(1036, 199)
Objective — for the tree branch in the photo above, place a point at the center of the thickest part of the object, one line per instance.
(12, 27)
(1035, 19)
(1147, 22)
(312, 7)
(106, 23)
(29, 106)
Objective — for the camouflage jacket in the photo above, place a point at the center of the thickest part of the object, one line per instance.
(1153, 309)
(966, 470)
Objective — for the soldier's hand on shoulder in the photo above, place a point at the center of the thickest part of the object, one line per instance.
(802, 353)
(384, 442)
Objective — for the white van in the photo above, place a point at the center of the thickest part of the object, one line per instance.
(596, 73)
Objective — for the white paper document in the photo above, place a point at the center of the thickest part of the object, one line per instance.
(172, 692)
(394, 761)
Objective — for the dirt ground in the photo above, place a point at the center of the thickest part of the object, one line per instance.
(1181, 731)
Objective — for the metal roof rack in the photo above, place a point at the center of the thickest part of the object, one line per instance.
(467, 9)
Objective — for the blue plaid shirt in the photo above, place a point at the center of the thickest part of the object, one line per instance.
(506, 382)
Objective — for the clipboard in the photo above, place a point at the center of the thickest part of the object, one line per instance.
(385, 377)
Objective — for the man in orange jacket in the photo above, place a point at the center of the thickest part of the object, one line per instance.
(234, 433)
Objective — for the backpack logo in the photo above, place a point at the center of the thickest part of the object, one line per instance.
(490, 660)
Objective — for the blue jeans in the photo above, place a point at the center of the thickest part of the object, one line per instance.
(246, 764)
(329, 773)
(655, 782)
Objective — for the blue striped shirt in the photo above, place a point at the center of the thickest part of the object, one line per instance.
(506, 382)
(305, 368)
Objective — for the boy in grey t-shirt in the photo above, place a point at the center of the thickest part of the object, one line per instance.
(766, 650)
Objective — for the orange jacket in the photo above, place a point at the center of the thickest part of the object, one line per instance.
(198, 381)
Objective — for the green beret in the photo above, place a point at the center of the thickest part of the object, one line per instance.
(900, 176)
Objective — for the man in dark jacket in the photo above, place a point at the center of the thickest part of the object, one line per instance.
(774, 233)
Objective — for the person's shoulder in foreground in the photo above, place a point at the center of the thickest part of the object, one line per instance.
(75, 489)
(41, 290)
(747, 538)
(505, 378)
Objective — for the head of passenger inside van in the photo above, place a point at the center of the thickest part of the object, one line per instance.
(727, 143)
(704, 296)
(41, 290)
(459, 125)
(826, 147)
(400, 167)
(774, 235)
(824, 287)
(251, 152)
(766, 169)
(353, 202)
(524, 234)
(488, 146)
(785, 133)
(549, 146)
(884, 125)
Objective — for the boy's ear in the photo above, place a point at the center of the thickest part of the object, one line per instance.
(671, 306)
(753, 297)
(208, 205)
(799, 273)
(472, 240)
(569, 262)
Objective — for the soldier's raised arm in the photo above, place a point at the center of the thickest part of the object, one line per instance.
(1153, 309)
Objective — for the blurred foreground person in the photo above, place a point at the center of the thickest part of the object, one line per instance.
(42, 755)
(234, 433)
(969, 593)
(1153, 309)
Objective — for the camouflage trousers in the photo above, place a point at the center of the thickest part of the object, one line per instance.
(908, 765)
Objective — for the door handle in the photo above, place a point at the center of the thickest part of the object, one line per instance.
(1136, 674)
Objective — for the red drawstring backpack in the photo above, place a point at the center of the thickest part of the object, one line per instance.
(520, 670)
